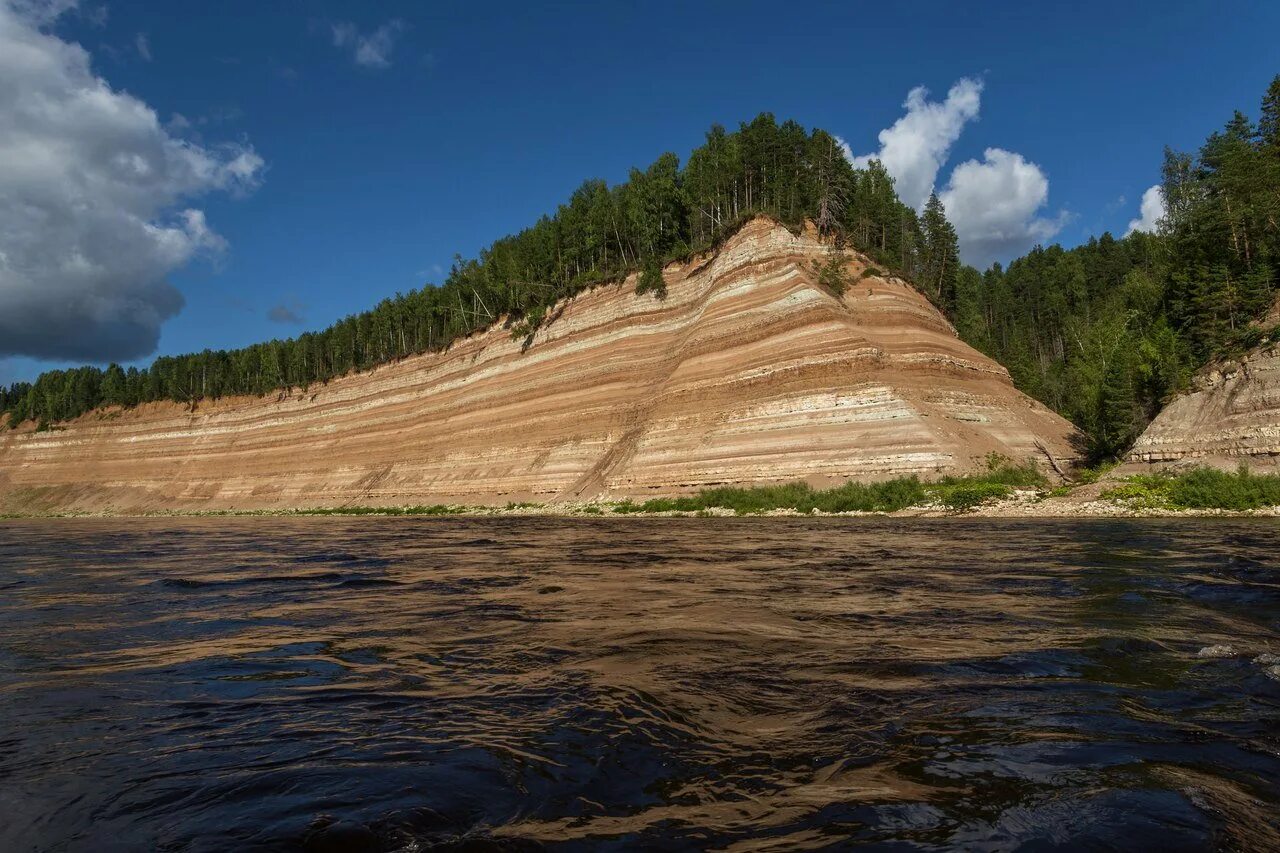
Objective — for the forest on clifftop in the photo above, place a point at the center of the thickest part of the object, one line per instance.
(600, 234)
(1104, 333)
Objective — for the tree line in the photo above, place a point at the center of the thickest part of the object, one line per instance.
(1106, 332)
(602, 233)
(1103, 333)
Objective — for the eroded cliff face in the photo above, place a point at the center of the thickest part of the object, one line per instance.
(748, 372)
(1232, 415)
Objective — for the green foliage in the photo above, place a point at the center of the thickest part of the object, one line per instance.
(940, 263)
(832, 275)
(601, 233)
(961, 494)
(651, 280)
(529, 324)
(1105, 333)
(1001, 469)
(1093, 474)
(963, 497)
(958, 494)
(431, 509)
(1199, 488)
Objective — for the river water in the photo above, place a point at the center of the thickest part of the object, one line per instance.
(665, 684)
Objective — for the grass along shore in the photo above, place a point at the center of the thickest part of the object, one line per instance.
(1198, 489)
(1004, 489)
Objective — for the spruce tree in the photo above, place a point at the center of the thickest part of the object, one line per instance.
(1269, 121)
(114, 389)
(941, 255)
(1117, 411)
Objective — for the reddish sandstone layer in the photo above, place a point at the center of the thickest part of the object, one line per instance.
(748, 372)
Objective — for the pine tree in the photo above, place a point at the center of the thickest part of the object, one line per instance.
(941, 255)
(114, 389)
(830, 191)
(1269, 121)
(969, 320)
(1268, 195)
(1256, 291)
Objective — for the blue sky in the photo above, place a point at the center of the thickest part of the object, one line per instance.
(340, 152)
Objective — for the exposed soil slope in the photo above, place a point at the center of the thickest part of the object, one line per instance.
(1232, 415)
(748, 372)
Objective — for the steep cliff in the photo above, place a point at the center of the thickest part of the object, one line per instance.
(1231, 415)
(747, 372)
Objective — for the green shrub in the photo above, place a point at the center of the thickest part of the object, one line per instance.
(1205, 488)
(956, 493)
(962, 497)
(651, 280)
(832, 275)
(885, 496)
(532, 321)
(1085, 476)
(1199, 488)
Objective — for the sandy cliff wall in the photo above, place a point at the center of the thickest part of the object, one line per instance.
(1231, 415)
(747, 372)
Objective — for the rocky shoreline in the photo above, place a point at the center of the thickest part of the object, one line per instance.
(1083, 502)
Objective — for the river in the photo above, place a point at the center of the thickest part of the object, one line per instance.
(516, 683)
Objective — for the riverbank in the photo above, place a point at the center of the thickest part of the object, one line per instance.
(1022, 504)
(1003, 490)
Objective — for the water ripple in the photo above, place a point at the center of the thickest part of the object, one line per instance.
(737, 684)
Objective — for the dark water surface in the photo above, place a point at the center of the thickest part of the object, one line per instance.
(739, 684)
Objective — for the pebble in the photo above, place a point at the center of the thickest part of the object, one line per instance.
(1266, 659)
(1216, 652)
(1274, 672)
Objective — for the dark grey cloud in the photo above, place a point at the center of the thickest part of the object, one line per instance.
(93, 201)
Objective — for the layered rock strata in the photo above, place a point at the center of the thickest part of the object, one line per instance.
(748, 372)
(1232, 414)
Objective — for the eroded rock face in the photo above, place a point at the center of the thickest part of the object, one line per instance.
(1232, 413)
(748, 372)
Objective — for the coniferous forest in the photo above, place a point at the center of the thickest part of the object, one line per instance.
(601, 234)
(1103, 333)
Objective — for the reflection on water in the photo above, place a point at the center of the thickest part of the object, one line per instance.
(738, 684)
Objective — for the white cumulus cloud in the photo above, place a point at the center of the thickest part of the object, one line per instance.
(1150, 212)
(94, 200)
(372, 50)
(916, 146)
(994, 205)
